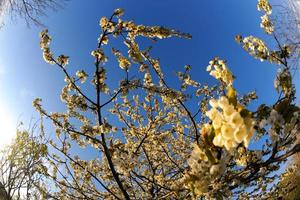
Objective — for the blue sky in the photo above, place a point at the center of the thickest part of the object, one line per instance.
(213, 24)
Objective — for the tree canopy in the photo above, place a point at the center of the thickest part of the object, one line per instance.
(19, 166)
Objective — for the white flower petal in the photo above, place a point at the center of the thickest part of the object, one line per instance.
(227, 132)
(240, 134)
(223, 102)
(236, 119)
(218, 140)
(230, 144)
(213, 103)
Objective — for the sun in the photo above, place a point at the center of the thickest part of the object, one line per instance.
(7, 127)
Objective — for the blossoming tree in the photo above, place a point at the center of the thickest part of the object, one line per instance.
(152, 145)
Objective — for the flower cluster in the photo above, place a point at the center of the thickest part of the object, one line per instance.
(283, 81)
(264, 5)
(102, 129)
(220, 71)
(106, 24)
(123, 61)
(101, 82)
(203, 176)
(266, 24)
(148, 79)
(134, 51)
(99, 55)
(82, 75)
(140, 30)
(63, 60)
(45, 40)
(229, 126)
(275, 120)
(119, 12)
(255, 47)
(198, 177)
(186, 78)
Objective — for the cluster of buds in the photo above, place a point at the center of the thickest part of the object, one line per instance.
(219, 70)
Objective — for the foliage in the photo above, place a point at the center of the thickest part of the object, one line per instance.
(19, 166)
(154, 144)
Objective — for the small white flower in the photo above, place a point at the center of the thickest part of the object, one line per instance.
(217, 121)
(208, 68)
(223, 102)
(213, 103)
(215, 74)
(227, 132)
(228, 110)
(230, 144)
(240, 134)
(236, 119)
(211, 114)
(218, 140)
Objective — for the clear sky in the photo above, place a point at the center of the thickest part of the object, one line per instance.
(213, 24)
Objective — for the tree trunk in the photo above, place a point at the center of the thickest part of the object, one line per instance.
(3, 193)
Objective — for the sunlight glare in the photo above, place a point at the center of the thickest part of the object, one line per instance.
(7, 127)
